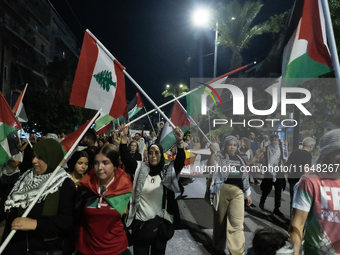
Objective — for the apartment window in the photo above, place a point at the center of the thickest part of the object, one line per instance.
(42, 48)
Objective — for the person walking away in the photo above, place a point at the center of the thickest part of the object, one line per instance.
(315, 218)
(298, 161)
(273, 160)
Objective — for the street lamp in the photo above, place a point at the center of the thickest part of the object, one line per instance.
(201, 17)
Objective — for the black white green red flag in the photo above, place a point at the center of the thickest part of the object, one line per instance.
(306, 54)
(8, 125)
(99, 82)
(179, 119)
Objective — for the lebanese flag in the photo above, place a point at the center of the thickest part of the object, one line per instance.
(8, 125)
(77, 135)
(18, 107)
(306, 54)
(99, 81)
(179, 119)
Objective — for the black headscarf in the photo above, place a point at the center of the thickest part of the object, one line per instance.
(154, 170)
(49, 151)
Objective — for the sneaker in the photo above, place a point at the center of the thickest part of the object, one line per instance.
(278, 212)
(261, 205)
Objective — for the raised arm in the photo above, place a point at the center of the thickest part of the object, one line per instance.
(125, 155)
(180, 158)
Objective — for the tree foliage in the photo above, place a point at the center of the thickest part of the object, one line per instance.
(175, 90)
(236, 26)
(48, 110)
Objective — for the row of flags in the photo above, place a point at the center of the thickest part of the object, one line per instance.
(100, 84)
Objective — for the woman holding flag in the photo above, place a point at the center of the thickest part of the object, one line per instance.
(152, 205)
(47, 227)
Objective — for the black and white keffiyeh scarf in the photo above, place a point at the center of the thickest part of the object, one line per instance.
(29, 185)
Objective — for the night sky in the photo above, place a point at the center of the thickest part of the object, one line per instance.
(153, 39)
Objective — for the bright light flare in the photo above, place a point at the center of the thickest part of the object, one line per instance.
(201, 17)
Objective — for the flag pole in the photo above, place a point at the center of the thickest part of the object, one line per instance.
(131, 79)
(28, 140)
(332, 44)
(28, 210)
(150, 100)
(193, 121)
(150, 121)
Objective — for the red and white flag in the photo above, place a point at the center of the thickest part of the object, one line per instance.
(99, 81)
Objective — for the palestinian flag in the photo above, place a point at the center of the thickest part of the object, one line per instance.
(133, 108)
(19, 109)
(103, 124)
(306, 54)
(178, 118)
(99, 81)
(8, 125)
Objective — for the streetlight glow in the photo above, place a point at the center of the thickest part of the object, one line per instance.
(181, 85)
(201, 17)
(168, 86)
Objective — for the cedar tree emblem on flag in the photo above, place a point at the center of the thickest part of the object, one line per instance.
(104, 78)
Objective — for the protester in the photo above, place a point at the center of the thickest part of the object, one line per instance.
(102, 197)
(315, 218)
(265, 142)
(273, 160)
(134, 151)
(89, 141)
(298, 161)
(46, 228)
(244, 149)
(197, 144)
(78, 165)
(227, 192)
(153, 195)
(269, 241)
(214, 142)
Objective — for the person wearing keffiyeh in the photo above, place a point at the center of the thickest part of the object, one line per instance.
(47, 226)
(228, 188)
(273, 160)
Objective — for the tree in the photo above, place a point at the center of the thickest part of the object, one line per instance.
(175, 90)
(48, 109)
(236, 28)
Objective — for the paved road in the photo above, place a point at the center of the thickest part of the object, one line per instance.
(195, 233)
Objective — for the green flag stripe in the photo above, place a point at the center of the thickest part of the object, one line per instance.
(169, 140)
(303, 67)
(6, 130)
(4, 154)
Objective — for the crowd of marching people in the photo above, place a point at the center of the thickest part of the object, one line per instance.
(118, 191)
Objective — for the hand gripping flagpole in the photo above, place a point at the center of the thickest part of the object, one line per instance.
(28, 210)
(193, 121)
(131, 79)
